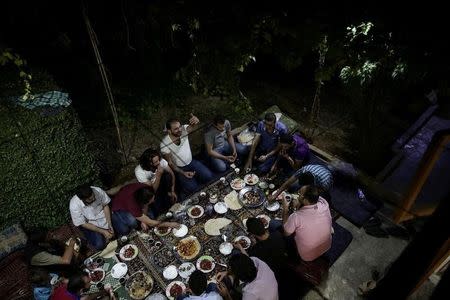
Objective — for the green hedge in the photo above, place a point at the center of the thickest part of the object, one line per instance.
(42, 160)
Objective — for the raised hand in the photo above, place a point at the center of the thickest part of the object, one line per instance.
(193, 120)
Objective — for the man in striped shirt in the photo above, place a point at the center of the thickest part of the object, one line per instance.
(317, 175)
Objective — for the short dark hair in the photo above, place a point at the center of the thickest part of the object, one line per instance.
(170, 122)
(286, 139)
(243, 267)
(311, 194)
(306, 178)
(270, 117)
(219, 119)
(197, 282)
(145, 161)
(143, 195)
(76, 283)
(84, 191)
(255, 226)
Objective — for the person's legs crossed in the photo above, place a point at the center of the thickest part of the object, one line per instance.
(94, 238)
(123, 222)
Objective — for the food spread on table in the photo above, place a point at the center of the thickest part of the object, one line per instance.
(188, 248)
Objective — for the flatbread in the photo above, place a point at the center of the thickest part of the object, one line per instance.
(232, 201)
(213, 226)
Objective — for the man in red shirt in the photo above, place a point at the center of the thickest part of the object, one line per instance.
(71, 289)
(130, 205)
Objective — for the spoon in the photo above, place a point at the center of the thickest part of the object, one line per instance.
(224, 237)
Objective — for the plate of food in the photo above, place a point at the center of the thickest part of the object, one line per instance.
(280, 196)
(139, 285)
(251, 179)
(128, 252)
(205, 264)
(161, 231)
(186, 269)
(265, 219)
(251, 197)
(188, 248)
(170, 272)
(97, 275)
(175, 289)
(180, 232)
(195, 211)
(220, 208)
(274, 206)
(244, 241)
(237, 184)
(119, 270)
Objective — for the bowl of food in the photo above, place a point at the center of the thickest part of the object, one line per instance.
(188, 248)
(175, 289)
(244, 241)
(251, 179)
(205, 264)
(195, 211)
(274, 206)
(128, 252)
(237, 184)
(265, 220)
(263, 185)
(97, 275)
(161, 231)
(251, 197)
(139, 285)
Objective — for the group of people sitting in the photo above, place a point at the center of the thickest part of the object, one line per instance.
(167, 175)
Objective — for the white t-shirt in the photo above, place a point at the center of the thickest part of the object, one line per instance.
(181, 154)
(143, 176)
(92, 213)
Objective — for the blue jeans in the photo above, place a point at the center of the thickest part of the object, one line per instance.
(123, 222)
(211, 287)
(95, 239)
(202, 175)
(220, 165)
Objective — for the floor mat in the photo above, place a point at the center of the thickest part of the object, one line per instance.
(341, 240)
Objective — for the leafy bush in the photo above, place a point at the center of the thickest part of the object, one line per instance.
(42, 160)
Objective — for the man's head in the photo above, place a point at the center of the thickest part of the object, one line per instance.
(286, 141)
(86, 194)
(308, 195)
(174, 128)
(306, 178)
(144, 195)
(78, 282)
(269, 122)
(243, 267)
(219, 122)
(150, 159)
(255, 226)
(197, 282)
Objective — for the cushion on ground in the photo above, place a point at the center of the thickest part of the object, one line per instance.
(341, 240)
(12, 238)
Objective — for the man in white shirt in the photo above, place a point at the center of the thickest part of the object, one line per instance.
(90, 212)
(155, 172)
(177, 151)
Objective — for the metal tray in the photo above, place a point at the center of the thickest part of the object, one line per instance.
(262, 197)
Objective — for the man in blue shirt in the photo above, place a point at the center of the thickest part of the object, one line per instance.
(265, 144)
(200, 289)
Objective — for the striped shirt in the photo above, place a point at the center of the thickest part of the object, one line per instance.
(322, 176)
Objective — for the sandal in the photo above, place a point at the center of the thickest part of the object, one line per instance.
(366, 287)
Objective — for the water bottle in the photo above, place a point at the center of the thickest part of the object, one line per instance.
(361, 195)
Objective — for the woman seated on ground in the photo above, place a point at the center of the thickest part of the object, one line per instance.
(53, 255)
(155, 172)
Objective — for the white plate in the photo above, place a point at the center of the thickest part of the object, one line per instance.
(189, 212)
(170, 286)
(226, 248)
(119, 270)
(186, 269)
(122, 252)
(221, 207)
(207, 257)
(170, 272)
(251, 179)
(246, 238)
(237, 184)
(263, 185)
(267, 219)
(273, 206)
(156, 296)
(181, 232)
(158, 233)
(280, 196)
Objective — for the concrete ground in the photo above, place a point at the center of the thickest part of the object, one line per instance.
(364, 254)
